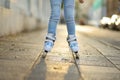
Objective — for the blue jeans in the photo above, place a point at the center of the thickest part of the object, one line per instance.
(69, 6)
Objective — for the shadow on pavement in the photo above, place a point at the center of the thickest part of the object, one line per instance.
(73, 74)
(39, 72)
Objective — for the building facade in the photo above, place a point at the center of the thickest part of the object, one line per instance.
(19, 15)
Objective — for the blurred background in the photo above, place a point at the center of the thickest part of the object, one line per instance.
(26, 15)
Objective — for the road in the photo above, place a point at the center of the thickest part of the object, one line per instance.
(20, 56)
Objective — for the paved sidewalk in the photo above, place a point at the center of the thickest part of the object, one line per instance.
(20, 56)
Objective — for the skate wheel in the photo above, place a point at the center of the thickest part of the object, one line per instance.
(46, 51)
(76, 52)
(77, 57)
(44, 55)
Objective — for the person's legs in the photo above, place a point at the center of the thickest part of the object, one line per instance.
(55, 15)
(54, 18)
(69, 6)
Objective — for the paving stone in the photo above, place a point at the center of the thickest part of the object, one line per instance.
(118, 66)
(115, 60)
(84, 60)
(10, 65)
(95, 61)
(30, 37)
(54, 71)
(18, 54)
(105, 50)
(110, 42)
(99, 33)
(21, 60)
(13, 70)
(5, 44)
(11, 44)
(10, 76)
(100, 73)
(2, 51)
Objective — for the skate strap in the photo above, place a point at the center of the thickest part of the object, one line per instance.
(47, 40)
(49, 37)
(71, 39)
(73, 42)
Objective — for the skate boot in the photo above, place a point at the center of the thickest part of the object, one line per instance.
(73, 44)
(49, 42)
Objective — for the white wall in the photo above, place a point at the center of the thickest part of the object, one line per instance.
(19, 15)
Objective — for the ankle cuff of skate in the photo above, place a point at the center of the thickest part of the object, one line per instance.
(48, 37)
(72, 39)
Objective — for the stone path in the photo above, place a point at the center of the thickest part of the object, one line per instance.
(20, 56)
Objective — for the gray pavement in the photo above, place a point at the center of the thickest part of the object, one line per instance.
(20, 56)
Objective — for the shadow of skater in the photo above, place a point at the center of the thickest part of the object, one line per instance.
(73, 74)
(39, 72)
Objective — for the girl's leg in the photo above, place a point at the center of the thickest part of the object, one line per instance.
(55, 15)
(69, 6)
(54, 18)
